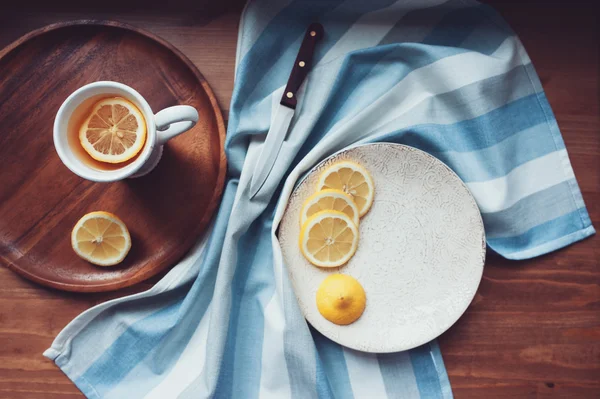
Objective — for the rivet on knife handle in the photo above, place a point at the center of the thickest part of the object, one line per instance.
(302, 64)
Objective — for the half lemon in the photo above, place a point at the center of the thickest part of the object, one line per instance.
(341, 299)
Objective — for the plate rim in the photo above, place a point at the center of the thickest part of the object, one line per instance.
(392, 349)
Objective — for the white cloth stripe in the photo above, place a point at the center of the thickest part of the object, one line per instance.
(364, 373)
(274, 384)
(182, 373)
(531, 177)
(379, 22)
(93, 350)
(248, 34)
(354, 127)
(518, 219)
(274, 339)
(398, 375)
(391, 111)
(341, 47)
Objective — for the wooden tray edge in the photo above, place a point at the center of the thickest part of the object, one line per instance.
(215, 200)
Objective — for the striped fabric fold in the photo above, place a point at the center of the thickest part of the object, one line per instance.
(446, 76)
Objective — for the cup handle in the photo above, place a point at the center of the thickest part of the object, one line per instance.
(173, 121)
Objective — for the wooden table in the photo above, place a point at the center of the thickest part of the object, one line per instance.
(533, 329)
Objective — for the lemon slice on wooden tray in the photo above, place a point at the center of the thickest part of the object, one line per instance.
(329, 199)
(328, 239)
(114, 132)
(101, 238)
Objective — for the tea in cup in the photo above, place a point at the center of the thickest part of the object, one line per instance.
(106, 131)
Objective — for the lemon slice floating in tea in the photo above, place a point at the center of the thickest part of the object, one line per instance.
(352, 179)
(328, 239)
(101, 238)
(329, 200)
(341, 299)
(114, 132)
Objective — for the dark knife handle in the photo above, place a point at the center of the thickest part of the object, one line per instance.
(302, 64)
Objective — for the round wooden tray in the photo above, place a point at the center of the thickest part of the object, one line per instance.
(41, 200)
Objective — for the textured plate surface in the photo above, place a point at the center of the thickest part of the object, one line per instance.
(420, 255)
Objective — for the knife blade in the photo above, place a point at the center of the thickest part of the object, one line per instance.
(285, 110)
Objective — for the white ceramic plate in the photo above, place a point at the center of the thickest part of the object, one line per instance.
(420, 256)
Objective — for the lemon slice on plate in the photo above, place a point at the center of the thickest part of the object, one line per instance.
(114, 132)
(341, 299)
(101, 238)
(329, 199)
(328, 239)
(352, 179)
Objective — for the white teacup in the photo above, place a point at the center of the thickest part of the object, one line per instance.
(160, 128)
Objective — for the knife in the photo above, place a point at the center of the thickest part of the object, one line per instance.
(285, 109)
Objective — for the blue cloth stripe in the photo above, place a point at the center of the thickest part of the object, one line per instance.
(540, 234)
(472, 134)
(366, 75)
(305, 372)
(141, 338)
(278, 59)
(530, 211)
(426, 374)
(454, 28)
(491, 17)
(553, 245)
(499, 159)
(485, 39)
(334, 365)
(438, 363)
(279, 70)
(324, 390)
(341, 19)
(252, 287)
(417, 24)
(111, 320)
(559, 143)
(152, 329)
(398, 375)
(345, 15)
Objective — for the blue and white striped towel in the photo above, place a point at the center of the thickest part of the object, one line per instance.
(448, 77)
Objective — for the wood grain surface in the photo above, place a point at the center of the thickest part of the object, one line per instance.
(534, 327)
(41, 200)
